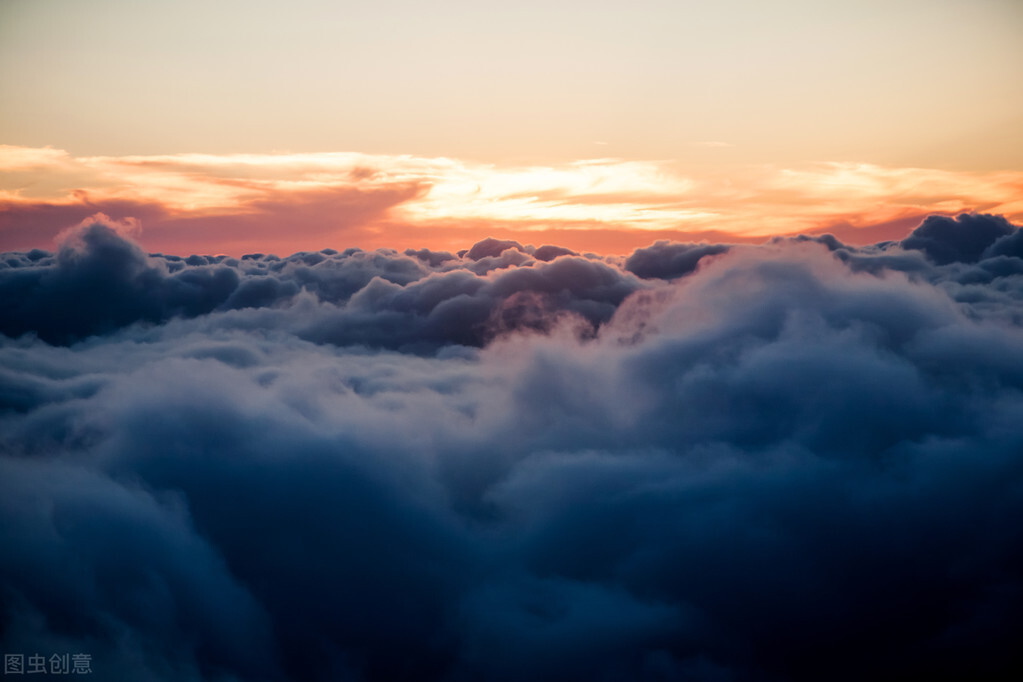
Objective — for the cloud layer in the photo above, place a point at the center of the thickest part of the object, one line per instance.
(794, 461)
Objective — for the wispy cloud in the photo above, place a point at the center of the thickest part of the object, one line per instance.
(296, 201)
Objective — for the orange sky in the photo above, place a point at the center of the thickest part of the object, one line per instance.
(289, 202)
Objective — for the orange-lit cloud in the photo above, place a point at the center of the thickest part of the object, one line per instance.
(289, 202)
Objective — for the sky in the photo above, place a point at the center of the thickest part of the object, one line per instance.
(603, 125)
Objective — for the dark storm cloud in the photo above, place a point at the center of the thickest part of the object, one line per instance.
(797, 461)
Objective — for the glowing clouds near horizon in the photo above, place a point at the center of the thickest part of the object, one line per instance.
(192, 203)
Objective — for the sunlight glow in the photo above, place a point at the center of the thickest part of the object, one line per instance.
(396, 197)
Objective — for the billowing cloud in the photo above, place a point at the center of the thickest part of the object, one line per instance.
(291, 201)
(668, 260)
(793, 461)
(965, 239)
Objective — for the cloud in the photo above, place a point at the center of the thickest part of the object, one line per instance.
(798, 460)
(288, 202)
(668, 260)
(98, 282)
(963, 239)
(14, 158)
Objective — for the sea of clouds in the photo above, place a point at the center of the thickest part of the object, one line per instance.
(795, 461)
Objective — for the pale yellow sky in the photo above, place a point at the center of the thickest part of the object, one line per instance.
(908, 83)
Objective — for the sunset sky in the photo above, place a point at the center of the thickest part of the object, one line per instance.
(232, 126)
